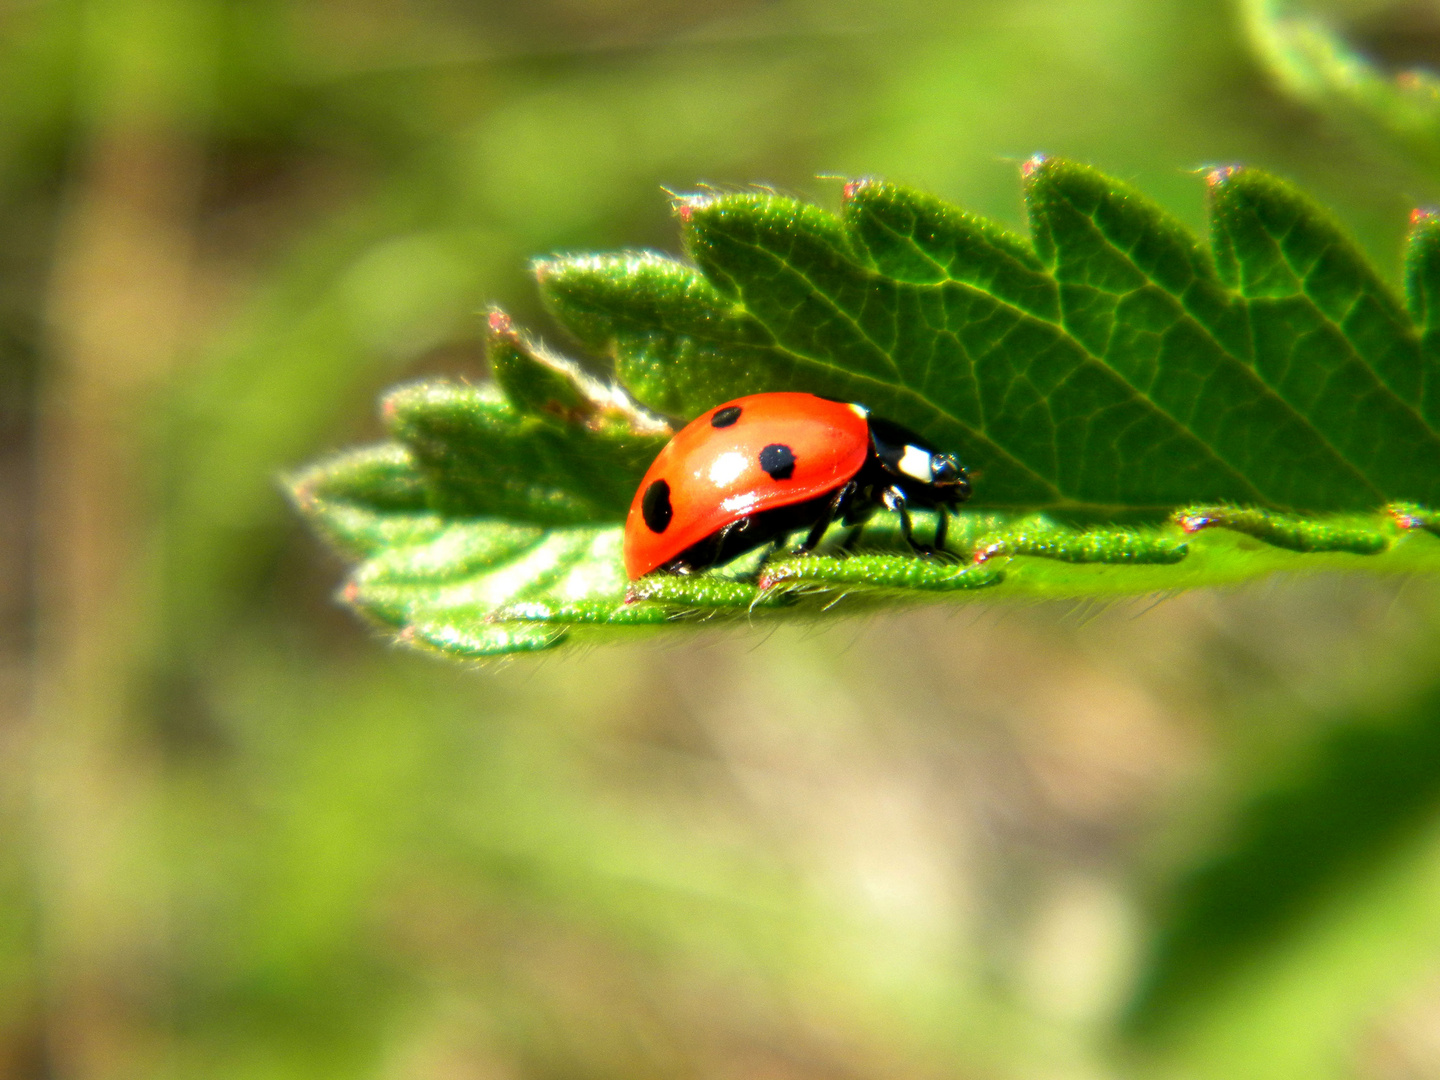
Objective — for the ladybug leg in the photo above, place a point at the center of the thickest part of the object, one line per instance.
(942, 525)
(738, 526)
(709, 551)
(894, 499)
(833, 509)
(857, 515)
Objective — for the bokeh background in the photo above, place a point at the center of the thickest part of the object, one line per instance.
(241, 836)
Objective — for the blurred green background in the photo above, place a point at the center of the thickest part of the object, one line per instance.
(243, 837)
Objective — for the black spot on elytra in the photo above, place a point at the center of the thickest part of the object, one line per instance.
(726, 416)
(778, 460)
(655, 507)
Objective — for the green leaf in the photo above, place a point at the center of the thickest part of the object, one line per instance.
(556, 452)
(1139, 413)
(1314, 63)
(367, 501)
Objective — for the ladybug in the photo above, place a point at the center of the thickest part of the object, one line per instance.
(760, 467)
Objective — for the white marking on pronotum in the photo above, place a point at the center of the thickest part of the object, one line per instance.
(915, 463)
(725, 468)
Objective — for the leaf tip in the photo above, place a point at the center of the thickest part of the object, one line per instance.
(1193, 520)
(774, 585)
(1032, 163)
(1404, 518)
(988, 552)
(1193, 523)
(768, 579)
(1218, 175)
(1412, 516)
(686, 205)
(500, 324)
(854, 187)
(300, 488)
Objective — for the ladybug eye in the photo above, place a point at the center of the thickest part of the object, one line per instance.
(944, 469)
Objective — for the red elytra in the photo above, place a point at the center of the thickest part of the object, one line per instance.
(750, 455)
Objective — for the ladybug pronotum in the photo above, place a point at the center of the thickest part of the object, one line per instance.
(758, 468)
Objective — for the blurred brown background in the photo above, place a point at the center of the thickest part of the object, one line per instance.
(241, 837)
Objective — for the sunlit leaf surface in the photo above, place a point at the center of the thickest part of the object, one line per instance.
(1140, 412)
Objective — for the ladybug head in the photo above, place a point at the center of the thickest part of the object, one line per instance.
(923, 472)
(948, 477)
